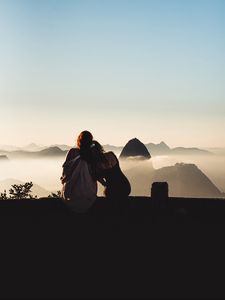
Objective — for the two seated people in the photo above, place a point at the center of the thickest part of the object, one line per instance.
(84, 166)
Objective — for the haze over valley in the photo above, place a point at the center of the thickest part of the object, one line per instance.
(43, 166)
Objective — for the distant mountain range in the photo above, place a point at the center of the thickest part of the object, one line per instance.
(45, 153)
(32, 147)
(217, 151)
(158, 149)
(34, 150)
(163, 149)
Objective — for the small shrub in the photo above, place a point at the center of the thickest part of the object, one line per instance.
(21, 191)
(3, 196)
(55, 195)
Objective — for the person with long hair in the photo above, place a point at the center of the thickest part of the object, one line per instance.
(107, 169)
(79, 184)
(84, 141)
(82, 149)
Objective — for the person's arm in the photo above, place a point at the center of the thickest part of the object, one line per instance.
(63, 179)
(71, 154)
(99, 176)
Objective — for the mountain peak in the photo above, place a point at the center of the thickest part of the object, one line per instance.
(135, 148)
(51, 151)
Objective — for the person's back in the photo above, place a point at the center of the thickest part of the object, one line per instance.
(117, 185)
(68, 167)
(79, 186)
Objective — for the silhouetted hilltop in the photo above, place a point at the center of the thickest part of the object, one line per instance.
(135, 149)
(187, 180)
(158, 149)
(3, 157)
(52, 151)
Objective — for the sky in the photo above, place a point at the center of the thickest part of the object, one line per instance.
(152, 69)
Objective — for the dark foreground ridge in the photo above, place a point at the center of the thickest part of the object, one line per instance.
(155, 247)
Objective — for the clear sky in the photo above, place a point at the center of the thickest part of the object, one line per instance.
(120, 68)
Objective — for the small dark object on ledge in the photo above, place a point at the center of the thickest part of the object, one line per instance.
(159, 194)
(160, 190)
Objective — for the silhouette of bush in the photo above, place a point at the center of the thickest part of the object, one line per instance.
(21, 191)
(3, 196)
(55, 195)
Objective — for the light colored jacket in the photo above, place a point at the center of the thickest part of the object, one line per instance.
(79, 189)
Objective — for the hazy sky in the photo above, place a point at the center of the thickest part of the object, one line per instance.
(148, 69)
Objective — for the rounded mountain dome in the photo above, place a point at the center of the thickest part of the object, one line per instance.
(135, 148)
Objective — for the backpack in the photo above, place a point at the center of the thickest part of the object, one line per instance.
(80, 189)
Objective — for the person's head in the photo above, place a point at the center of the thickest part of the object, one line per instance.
(84, 139)
(97, 158)
(98, 147)
(84, 142)
(97, 153)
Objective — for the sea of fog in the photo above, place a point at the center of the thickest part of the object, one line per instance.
(46, 172)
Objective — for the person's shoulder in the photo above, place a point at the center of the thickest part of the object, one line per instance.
(72, 153)
(74, 150)
(110, 156)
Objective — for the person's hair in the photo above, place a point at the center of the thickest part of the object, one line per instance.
(84, 139)
(91, 151)
(84, 142)
(97, 158)
(97, 153)
(98, 147)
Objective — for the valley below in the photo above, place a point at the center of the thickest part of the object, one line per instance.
(45, 173)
